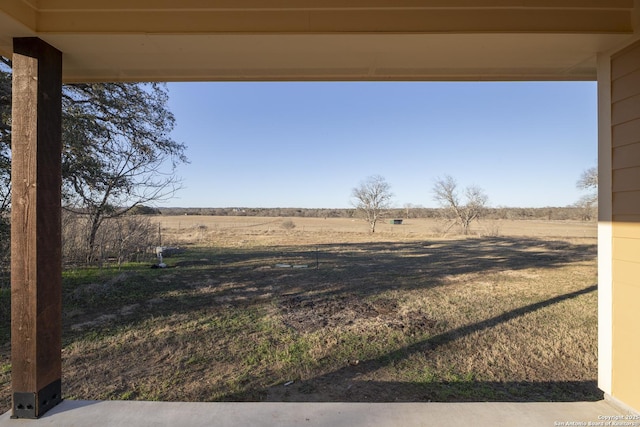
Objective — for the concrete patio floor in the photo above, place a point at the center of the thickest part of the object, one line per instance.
(137, 414)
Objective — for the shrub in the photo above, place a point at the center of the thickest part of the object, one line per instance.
(288, 224)
(120, 239)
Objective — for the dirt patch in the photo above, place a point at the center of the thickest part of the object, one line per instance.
(308, 313)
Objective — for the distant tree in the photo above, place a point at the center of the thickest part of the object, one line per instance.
(408, 207)
(144, 210)
(588, 203)
(587, 207)
(372, 198)
(462, 212)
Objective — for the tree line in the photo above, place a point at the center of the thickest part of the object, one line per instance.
(410, 211)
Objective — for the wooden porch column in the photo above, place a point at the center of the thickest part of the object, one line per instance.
(36, 258)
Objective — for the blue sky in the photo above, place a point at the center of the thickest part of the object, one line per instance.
(308, 144)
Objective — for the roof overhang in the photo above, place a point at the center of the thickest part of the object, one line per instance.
(263, 40)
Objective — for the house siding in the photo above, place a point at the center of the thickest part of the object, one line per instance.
(625, 186)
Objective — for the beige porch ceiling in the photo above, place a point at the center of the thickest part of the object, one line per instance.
(262, 40)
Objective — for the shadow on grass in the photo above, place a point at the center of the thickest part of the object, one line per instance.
(242, 277)
(448, 391)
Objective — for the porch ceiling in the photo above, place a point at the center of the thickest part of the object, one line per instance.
(182, 40)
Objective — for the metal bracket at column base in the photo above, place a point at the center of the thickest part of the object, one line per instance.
(34, 405)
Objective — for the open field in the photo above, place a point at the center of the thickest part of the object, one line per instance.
(324, 311)
(268, 230)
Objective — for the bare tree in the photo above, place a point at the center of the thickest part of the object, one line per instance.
(372, 198)
(461, 212)
(589, 179)
(589, 182)
(408, 207)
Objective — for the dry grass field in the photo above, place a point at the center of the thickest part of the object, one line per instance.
(197, 229)
(312, 309)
